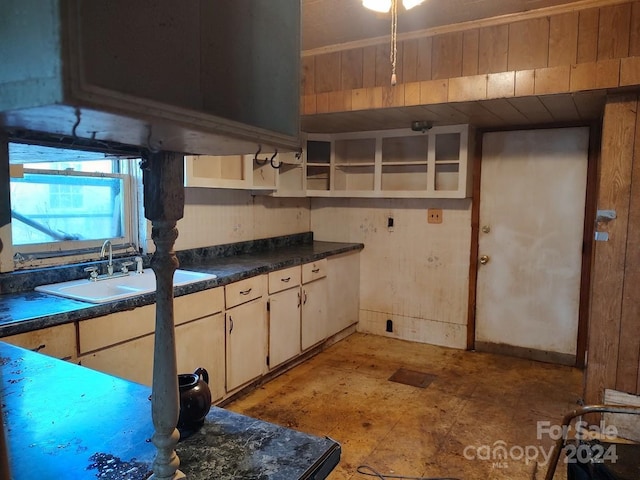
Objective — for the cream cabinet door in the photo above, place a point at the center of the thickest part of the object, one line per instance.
(314, 313)
(284, 326)
(131, 360)
(198, 344)
(58, 341)
(201, 344)
(343, 306)
(246, 331)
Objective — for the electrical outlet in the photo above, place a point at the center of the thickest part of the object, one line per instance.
(390, 223)
(434, 215)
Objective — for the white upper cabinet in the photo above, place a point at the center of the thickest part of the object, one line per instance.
(201, 77)
(391, 163)
(279, 174)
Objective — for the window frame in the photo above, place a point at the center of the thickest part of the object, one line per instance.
(72, 251)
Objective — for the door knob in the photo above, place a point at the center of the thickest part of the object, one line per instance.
(484, 259)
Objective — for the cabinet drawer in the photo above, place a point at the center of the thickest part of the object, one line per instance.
(118, 327)
(243, 291)
(313, 271)
(198, 305)
(284, 279)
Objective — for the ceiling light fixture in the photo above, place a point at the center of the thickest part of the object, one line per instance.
(383, 6)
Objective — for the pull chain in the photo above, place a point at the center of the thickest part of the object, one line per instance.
(394, 40)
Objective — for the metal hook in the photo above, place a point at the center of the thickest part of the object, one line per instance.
(299, 154)
(273, 165)
(257, 160)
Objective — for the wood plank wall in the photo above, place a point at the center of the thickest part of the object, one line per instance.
(613, 356)
(595, 48)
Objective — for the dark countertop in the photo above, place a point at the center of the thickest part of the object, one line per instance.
(65, 421)
(30, 310)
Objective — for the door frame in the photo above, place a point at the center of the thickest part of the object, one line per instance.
(593, 155)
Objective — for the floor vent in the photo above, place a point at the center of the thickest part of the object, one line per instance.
(413, 378)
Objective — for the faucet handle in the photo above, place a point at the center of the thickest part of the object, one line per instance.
(93, 272)
(125, 267)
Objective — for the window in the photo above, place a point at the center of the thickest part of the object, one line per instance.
(70, 205)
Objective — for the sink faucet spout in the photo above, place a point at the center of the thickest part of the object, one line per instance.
(107, 243)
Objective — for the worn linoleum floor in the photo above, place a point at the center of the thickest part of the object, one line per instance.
(478, 403)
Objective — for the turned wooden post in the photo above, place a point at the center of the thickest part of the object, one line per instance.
(163, 178)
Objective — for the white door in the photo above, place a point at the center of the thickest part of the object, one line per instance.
(532, 198)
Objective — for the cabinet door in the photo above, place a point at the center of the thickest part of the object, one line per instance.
(314, 313)
(343, 275)
(284, 326)
(246, 343)
(58, 341)
(201, 344)
(132, 360)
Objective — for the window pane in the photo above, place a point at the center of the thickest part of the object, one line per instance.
(98, 166)
(50, 207)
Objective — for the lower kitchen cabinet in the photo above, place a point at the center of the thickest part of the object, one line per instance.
(314, 313)
(132, 360)
(200, 343)
(101, 332)
(227, 330)
(121, 344)
(58, 341)
(284, 325)
(246, 333)
(313, 323)
(343, 306)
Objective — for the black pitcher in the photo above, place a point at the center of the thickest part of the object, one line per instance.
(195, 397)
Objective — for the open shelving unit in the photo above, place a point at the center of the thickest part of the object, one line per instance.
(391, 163)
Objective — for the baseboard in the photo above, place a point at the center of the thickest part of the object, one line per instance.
(528, 353)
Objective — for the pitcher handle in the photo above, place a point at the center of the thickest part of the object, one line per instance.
(202, 372)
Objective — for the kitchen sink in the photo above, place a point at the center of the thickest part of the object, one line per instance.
(118, 287)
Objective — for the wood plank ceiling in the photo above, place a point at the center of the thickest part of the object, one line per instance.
(333, 22)
(497, 113)
(327, 24)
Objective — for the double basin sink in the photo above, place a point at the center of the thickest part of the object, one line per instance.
(118, 287)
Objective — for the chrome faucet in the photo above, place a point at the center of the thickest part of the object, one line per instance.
(138, 265)
(107, 243)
